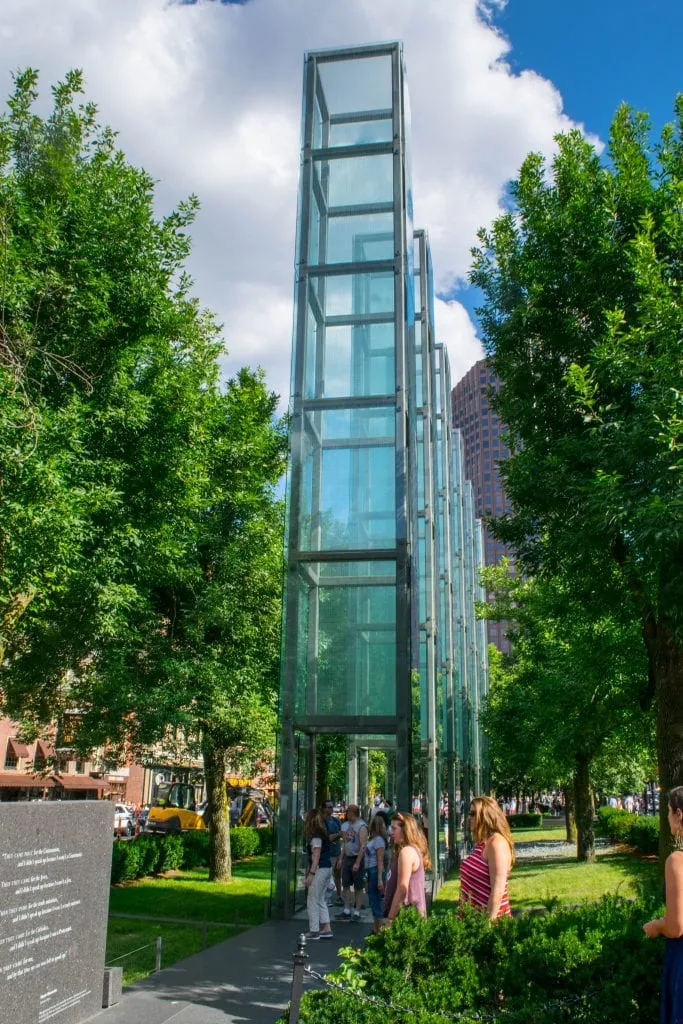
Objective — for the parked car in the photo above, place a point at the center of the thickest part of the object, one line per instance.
(124, 822)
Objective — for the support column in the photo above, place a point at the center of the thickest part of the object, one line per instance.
(283, 899)
(363, 780)
(352, 772)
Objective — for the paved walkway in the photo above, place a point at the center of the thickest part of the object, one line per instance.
(245, 980)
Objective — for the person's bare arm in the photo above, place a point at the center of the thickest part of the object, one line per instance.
(671, 925)
(499, 860)
(362, 843)
(315, 860)
(380, 867)
(407, 861)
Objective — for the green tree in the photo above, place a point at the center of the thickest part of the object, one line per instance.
(582, 322)
(568, 689)
(140, 533)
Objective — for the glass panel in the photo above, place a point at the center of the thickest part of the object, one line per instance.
(357, 360)
(358, 132)
(348, 480)
(358, 179)
(311, 382)
(314, 248)
(351, 641)
(367, 236)
(353, 294)
(356, 85)
(317, 125)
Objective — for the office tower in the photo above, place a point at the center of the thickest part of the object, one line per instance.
(481, 428)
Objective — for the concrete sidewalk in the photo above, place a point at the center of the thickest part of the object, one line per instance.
(245, 980)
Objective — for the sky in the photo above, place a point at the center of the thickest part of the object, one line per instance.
(207, 97)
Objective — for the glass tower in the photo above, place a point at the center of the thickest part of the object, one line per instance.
(374, 623)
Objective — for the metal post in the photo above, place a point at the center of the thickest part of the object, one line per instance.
(352, 772)
(363, 780)
(157, 965)
(300, 958)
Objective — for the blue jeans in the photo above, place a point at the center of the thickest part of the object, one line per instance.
(375, 897)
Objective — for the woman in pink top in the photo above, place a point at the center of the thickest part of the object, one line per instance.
(484, 874)
(405, 885)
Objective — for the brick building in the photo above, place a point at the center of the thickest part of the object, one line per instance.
(49, 769)
(481, 429)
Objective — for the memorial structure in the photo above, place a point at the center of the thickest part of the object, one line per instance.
(380, 640)
(55, 865)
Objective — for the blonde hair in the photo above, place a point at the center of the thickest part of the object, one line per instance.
(412, 836)
(490, 819)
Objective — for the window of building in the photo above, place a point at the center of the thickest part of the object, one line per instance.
(11, 760)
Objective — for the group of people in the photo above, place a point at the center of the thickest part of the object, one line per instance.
(392, 862)
(390, 856)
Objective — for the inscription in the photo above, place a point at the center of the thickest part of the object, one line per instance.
(54, 878)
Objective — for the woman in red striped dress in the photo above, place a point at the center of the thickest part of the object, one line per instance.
(484, 874)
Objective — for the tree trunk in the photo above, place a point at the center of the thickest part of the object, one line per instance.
(585, 835)
(217, 812)
(569, 821)
(666, 667)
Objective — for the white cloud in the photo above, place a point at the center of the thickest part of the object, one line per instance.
(207, 98)
(455, 329)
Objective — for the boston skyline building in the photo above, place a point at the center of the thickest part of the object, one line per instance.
(381, 646)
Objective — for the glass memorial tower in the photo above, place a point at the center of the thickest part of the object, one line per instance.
(380, 642)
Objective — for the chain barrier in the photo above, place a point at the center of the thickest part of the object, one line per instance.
(467, 1016)
(129, 953)
(157, 945)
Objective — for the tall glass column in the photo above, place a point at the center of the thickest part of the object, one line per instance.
(347, 637)
(380, 642)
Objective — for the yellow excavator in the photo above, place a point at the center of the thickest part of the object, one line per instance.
(175, 809)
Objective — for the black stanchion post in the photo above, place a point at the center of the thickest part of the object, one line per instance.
(300, 958)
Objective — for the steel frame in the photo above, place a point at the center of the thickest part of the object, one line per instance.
(440, 514)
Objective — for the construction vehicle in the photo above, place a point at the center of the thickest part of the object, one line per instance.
(175, 808)
(249, 807)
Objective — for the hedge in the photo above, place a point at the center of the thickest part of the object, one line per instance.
(590, 964)
(525, 820)
(639, 830)
(150, 855)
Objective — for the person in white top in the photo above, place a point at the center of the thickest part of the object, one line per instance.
(352, 862)
(375, 859)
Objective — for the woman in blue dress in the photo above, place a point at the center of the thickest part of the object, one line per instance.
(671, 925)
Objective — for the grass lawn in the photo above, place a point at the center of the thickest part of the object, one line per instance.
(536, 835)
(190, 895)
(538, 883)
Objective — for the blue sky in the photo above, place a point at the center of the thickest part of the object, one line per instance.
(207, 97)
(598, 53)
(601, 52)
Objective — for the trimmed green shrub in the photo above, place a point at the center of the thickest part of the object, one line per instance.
(149, 855)
(588, 965)
(525, 820)
(265, 838)
(195, 849)
(641, 831)
(244, 842)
